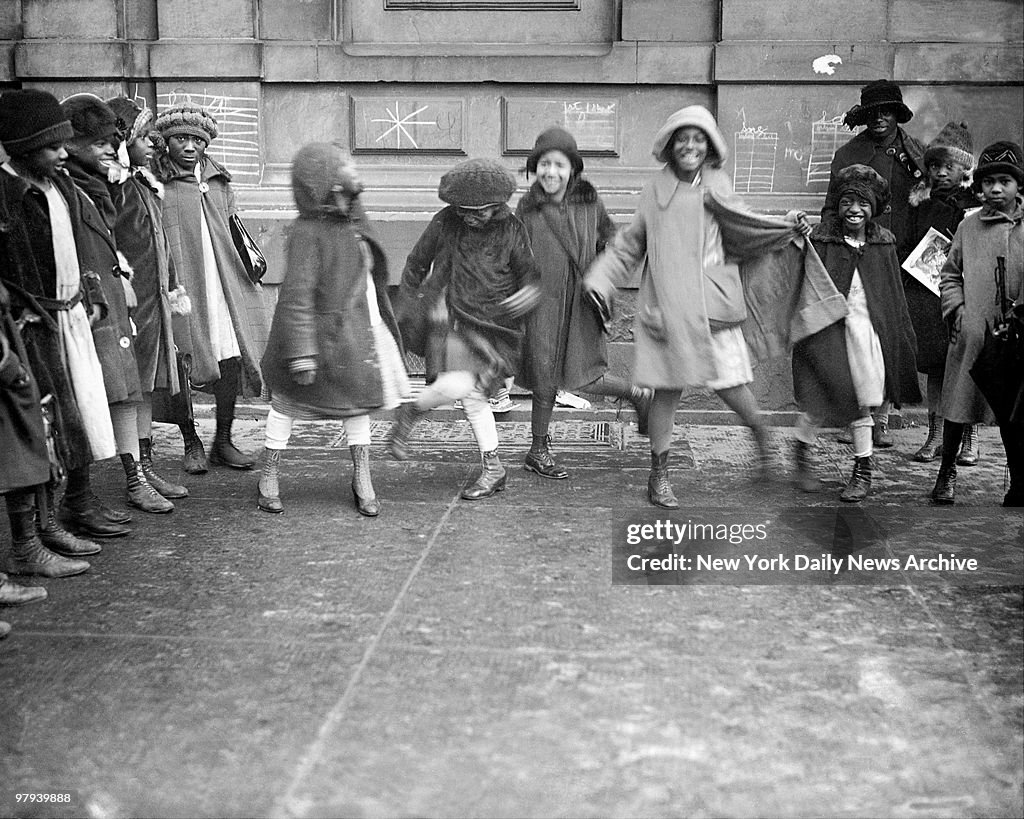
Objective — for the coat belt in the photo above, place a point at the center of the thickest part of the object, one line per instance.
(60, 304)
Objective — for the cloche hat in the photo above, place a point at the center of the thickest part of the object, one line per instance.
(865, 182)
(31, 119)
(878, 94)
(695, 116)
(555, 139)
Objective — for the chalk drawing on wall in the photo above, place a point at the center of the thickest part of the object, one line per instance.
(827, 135)
(755, 150)
(593, 122)
(237, 146)
(421, 125)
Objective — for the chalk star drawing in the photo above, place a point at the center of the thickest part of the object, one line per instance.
(399, 122)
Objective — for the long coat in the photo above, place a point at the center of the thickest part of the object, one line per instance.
(322, 312)
(27, 268)
(139, 232)
(968, 281)
(97, 253)
(565, 341)
(184, 205)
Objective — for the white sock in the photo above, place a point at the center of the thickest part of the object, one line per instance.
(278, 430)
(357, 430)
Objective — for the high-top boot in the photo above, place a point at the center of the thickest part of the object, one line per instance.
(140, 494)
(492, 478)
(406, 417)
(54, 536)
(82, 512)
(880, 438)
(944, 493)
(225, 453)
(1013, 443)
(269, 490)
(659, 490)
(860, 481)
(164, 487)
(362, 486)
(28, 555)
(641, 400)
(11, 594)
(539, 459)
(806, 478)
(970, 449)
(194, 462)
(932, 447)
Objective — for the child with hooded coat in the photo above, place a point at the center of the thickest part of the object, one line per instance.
(565, 344)
(334, 349)
(467, 284)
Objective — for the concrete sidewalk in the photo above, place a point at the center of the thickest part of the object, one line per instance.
(474, 659)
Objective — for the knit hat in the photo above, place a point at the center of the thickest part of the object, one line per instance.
(953, 141)
(476, 183)
(318, 170)
(133, 121)
(30, 120)
(555, 139)
(696, 116)
(1001, 157)
(187, 119)
(865, 182)
(91, 117)
(878, 94)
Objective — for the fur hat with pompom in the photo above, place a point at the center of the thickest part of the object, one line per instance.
(953, 142)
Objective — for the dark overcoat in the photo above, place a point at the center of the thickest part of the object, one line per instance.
(565, 340)
(184, 205)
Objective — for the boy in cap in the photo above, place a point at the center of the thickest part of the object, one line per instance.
(473, 271)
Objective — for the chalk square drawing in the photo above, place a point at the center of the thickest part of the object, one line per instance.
(594, 122)
(926, 260)
(393, 125)
(237, 146)
(827, 136)
(755, 150)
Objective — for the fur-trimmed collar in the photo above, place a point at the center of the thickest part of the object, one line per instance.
(830, 229)
(580, 192)
(922, 192)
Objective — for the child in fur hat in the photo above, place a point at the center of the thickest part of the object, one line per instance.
(565, 339)
(473, 272)
(971, 306)
(139, 232)
(940, 202)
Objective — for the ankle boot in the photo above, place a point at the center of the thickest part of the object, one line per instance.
(492, 478)
(362, 486)
(659, 490)
(55, 537)
(641, 400)
(970, 450)
(860, 481)
(406, 417)
(539, 460)
(806, 479)
(82, 512)
(194, 462)
(932, 447)
(11, 594)
(269, 491)
(166, 488)
(140, 494)
(225, 453)
(28, 555)
(944, 493)
(880, 438)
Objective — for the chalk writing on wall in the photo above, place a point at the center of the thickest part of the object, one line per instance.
(237, 146)
(755, 151)
(827, 135)
(420, 125)
(594, 123)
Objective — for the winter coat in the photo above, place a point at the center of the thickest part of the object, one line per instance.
(22, 438)
(139, 234)
(472, 269)
(322, 312)
(899, 161)
(944, 212)
(968, 281)
(183, 207)
(94, 237)
(879, 272)
(565, 339)
(28, 269)
(787, 293)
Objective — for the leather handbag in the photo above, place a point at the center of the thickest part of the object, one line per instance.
(253, 260)
(723, 296)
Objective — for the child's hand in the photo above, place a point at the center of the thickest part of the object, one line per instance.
(303, 370)
(801, 225)
(522, 301)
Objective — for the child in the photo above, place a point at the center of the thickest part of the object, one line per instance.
(939, 202)
(482, 281)
(860, 257)
(971, 306)
(332, 309)
(565, 340)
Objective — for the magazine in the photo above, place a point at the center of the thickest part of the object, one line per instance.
(926, 260)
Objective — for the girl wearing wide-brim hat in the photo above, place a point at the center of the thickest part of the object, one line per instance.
(565, 344)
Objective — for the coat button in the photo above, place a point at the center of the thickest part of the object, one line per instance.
(125, 342)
